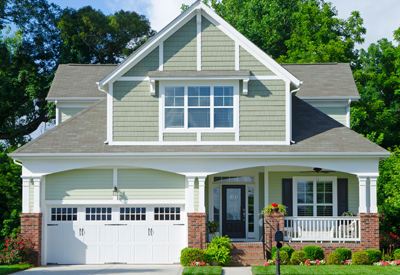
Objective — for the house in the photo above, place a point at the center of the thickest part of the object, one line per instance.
(197, 124)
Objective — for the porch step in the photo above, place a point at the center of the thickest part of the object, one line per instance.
(247, 253)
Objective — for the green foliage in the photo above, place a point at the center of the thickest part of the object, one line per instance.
(298, 257)
(190, 255)
(360, 258)
(283, 255)
(271, 208)
(218, 252)
(289, 250)
(202, 270)
(396, 254)
(17, 250)
(343, 253)
(374, 255)
(334, 258)
(314, 252)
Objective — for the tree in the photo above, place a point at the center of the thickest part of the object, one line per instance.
(377, 74)
(89, 36)
(295, 31)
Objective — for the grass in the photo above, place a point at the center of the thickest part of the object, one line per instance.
(8, 269)
(328, 269)
(200, 270)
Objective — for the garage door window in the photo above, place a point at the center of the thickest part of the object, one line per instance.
(132, 213)
(64, 214)
(98, 214)
(167, 213)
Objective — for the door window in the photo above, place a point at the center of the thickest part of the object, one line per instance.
(132, 213)
(233, 200)
(167, 213)
(98, 213)
(64, 214)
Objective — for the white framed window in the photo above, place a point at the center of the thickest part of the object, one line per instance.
(202, 106)
(315, 196)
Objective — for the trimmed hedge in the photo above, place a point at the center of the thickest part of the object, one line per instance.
(396, 254)
(190, 255)
(334, 258)
(374, 255)
(314, 252)
(289, 250)
(343, 253)
(298, 257)
(360, 258)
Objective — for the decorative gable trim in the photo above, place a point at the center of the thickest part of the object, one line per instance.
(199, 9)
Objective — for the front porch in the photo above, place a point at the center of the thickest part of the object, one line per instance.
(330, 208)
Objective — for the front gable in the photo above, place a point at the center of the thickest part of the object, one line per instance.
(199, 50)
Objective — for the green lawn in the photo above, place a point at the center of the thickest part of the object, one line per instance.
(7, 269)
(200, 270)
(328, 269)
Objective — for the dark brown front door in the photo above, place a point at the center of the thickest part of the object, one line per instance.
(234, 211)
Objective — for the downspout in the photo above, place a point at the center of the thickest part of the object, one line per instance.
(104, 91)
(291, 93)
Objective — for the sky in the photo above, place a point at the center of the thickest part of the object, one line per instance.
(381, 17)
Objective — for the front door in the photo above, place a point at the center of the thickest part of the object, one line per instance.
(234, 211)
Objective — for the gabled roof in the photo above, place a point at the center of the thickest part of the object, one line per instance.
(205, 10)
(313, 133)
(77, 81)
(325, 80)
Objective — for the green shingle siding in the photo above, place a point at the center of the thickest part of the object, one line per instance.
(180, 137)
(218, 136)
(217, 49)
(148, 63)
(249, 62)
(135, 112)
(148, 184)
(262, 111)
(67, 113)
(80, 184)
(181, 47)
(337, 113)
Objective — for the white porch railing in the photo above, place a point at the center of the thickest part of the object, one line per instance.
(322, 229)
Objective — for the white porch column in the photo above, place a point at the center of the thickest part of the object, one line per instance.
(36, 195)
(362, 193)
(373, 203)
(202, 201)
(25, 195)
(266, 187)
(190, 193)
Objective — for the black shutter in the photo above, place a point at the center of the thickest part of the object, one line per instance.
(342, 196)
(287, 195)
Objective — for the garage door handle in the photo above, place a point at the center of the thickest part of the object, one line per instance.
(49, 224)
(179, 224)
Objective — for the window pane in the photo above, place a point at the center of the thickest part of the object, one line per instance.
(174, 96)
(199, 117)
(250, 204)
(305, 210)
(216, 202)
(218, 101)
(223, 117)
(324, 210)
(174, 117)
(218, 91)
(199, 96)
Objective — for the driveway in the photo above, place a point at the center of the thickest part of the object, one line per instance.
(105, 269)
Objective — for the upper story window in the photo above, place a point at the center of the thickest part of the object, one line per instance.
(199, 107)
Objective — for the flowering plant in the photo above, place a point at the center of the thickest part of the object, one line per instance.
(274, 207)
(387, 263)
(309, 262)
(269, 262)
(347, 262)
(200, 263)
(16, 250)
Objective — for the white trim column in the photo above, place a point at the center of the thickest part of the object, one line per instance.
(202, 199)
(25, 195)
(362, 193)
(36, 195)
(190, 194)
(373, 203)
(266, 187)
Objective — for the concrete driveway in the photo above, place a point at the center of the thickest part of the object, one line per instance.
(105, 269)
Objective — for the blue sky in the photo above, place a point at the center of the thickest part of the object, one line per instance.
(381, 17)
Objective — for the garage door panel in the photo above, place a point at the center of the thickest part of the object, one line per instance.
(160, 233)
(161, 253)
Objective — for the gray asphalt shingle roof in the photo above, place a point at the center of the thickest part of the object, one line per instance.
(313, 131)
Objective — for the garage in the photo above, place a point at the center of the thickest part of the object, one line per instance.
(133, 234)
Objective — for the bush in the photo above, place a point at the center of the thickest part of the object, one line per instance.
(284, 257)
(289, 250)
(360, 258)
(190, 255)
(334, 258)
(298, 257)
(343, 253)
(396, 254)
(17, 250)
(218, 251)
(314, 252)
(374, 255)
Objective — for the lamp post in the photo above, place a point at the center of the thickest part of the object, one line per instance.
(279, 240)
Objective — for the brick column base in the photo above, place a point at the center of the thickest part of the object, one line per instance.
(272, 222)
(197, 230)
(31, 229)
(369, 223)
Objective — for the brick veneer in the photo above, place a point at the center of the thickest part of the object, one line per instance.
(247, 253)
(197, 230)
(369, 223)
(31, 228)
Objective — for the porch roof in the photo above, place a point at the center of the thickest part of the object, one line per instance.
(313, 132)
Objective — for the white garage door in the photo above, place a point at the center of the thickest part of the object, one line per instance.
(126, 234)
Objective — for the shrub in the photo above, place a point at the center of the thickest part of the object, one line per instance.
(360, 258)
(374, 255)
(314, 252)
(289, 250)
(343, 253)
(218, 251)
(190, 255)
(17, 250)
(298, 257)
(284, 257)
(334, 258)
(396, 254)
